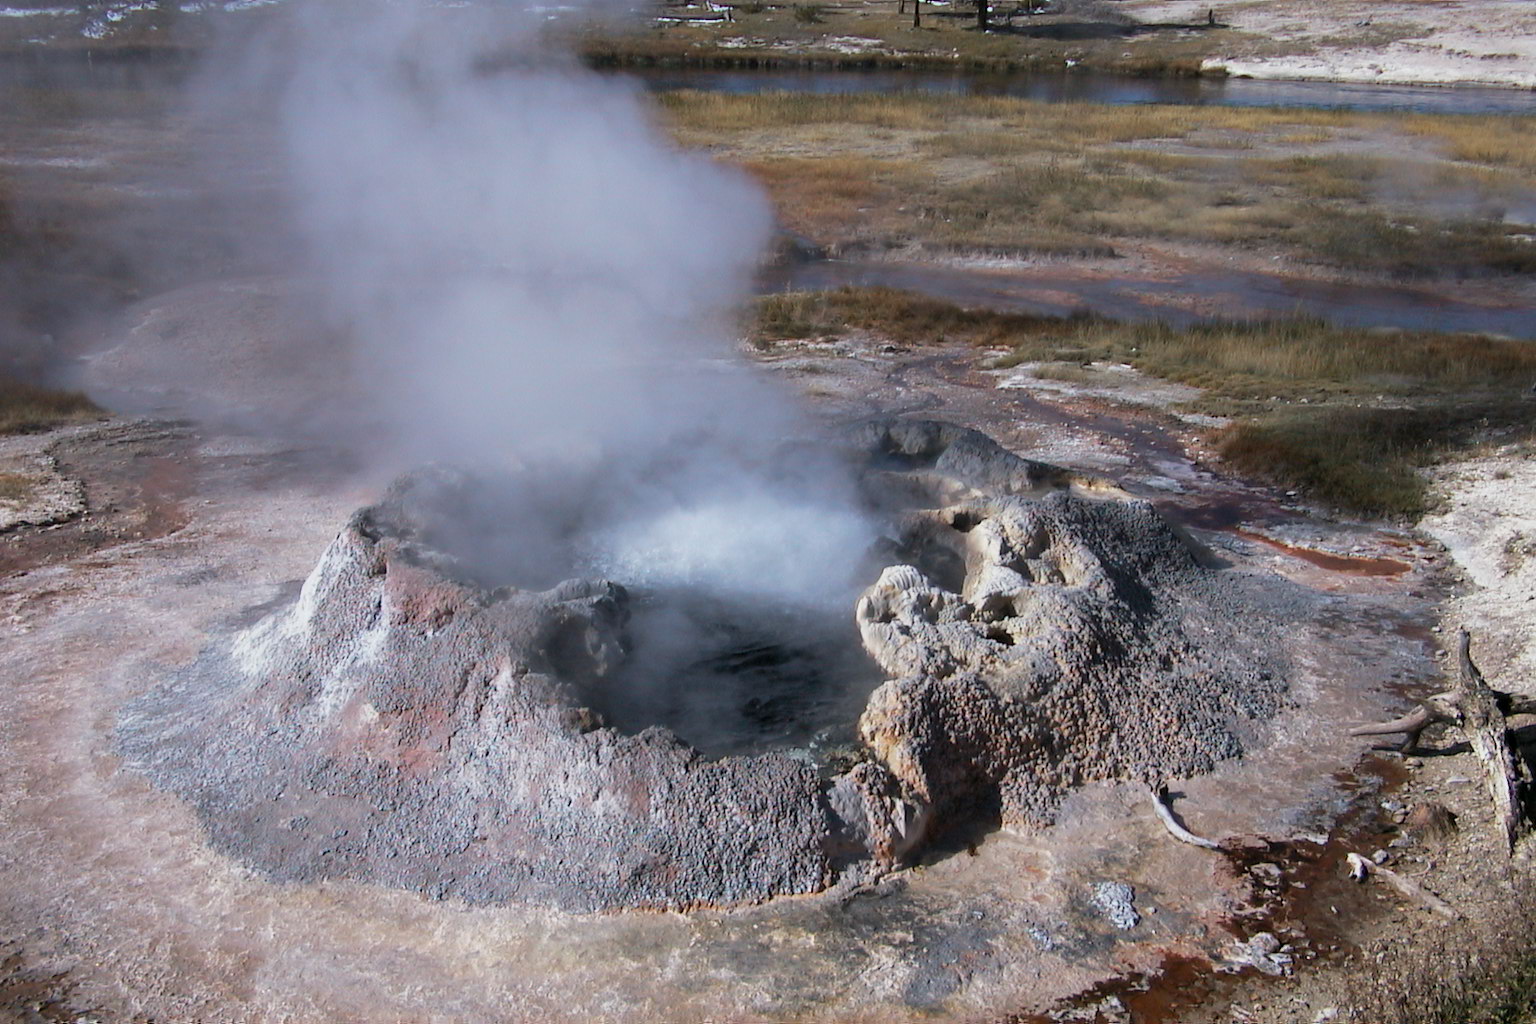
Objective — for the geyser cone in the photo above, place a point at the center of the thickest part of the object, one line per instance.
(407, 724)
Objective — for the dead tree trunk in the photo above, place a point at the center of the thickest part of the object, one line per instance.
(1489, 736)
(917, 17)
(1480, 711)
(982, 13)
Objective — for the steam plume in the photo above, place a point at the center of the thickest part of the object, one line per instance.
(529, 270)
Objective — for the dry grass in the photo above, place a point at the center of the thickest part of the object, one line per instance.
(1013, 176)
(52, 264)
(898, 315)
(1481, 972)
(27, 407)
(1067, 126)
(1296, 358)
(1365, 460)
(831, 195)
(1239, 359)
(1318, 177)
(796, 34)
(1505, 142)
(1065, 371)
(15, 487)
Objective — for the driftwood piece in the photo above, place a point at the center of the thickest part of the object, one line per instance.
(1486, 731)
(1360, 869)
(1480, 711)
(1172, 824)
(1439, 708)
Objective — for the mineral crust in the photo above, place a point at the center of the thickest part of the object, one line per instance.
(401, 722)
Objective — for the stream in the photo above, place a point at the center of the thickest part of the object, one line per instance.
(1094, 87)
(1179, 299)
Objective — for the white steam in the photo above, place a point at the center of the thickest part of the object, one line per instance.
(528, 268)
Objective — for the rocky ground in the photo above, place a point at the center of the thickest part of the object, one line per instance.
(115, 907)
(1486, 42)
(1442, 42)
(127, 547)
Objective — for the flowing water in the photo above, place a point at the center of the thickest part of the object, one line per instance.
(31, 69)
(1103, 88)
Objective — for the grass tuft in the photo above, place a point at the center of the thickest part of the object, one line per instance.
(15, 487)
(25, 408)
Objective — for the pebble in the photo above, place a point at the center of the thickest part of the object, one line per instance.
(1266, 872)
(1117, 902)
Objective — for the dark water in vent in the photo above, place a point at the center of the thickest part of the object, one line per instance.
(733, 679)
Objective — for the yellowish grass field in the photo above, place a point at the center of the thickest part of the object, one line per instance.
(26, 407)
(1008, 175)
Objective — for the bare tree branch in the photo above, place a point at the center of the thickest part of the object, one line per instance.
(1175, 829)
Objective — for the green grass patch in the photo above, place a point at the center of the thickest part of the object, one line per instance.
(1362, 459)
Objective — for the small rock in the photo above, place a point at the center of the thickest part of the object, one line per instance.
(1261, 951)
(1117, 902)
(1380, 857)
(1267, 873)
(1431, 820)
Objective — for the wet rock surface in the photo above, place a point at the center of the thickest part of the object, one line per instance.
(404, 723)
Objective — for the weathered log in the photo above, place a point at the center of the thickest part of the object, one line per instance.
(1486, 731)
(1480, 711)
(1439, 708)
(1360, 869)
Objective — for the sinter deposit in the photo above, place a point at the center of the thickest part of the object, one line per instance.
(407, 722)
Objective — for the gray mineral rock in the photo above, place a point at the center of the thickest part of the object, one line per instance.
(1046, 631)
(445, 727)
(408, 721)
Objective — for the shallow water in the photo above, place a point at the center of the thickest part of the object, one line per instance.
(1178, 299)
(1112, 89)
(37, 70)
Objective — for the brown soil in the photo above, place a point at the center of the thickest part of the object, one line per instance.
(138, 479)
